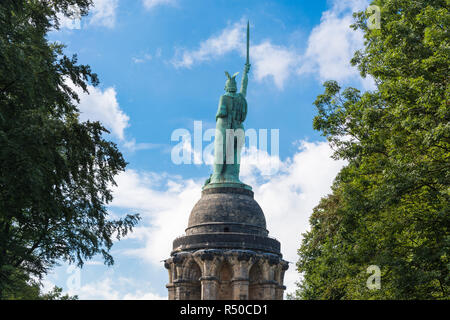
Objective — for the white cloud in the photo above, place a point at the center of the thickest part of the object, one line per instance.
(113, 288)
(287, 199)
(103, 289)
(142, 59)
(150, 4)
(230, 39)
(132, 146)
(268, 60)
(164, 201)
(330, 47)
(140, 295)
(273, 61)
(73, 22)
(102, 105)
(257, 164)
(47, 285)
(104, 13)
(332, 43)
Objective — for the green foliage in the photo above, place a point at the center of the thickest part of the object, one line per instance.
(56, 294)
(390, 204)
(22, 287)
(55, 172)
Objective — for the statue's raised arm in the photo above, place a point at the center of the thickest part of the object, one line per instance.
(244, 82)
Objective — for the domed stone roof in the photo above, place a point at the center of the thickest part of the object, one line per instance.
(227, 210)
(227, 218)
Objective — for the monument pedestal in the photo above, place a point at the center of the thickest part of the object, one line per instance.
(226, 252)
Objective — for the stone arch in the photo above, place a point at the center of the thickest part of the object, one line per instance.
(255, 291)
(191, 275)
(225, 275)
(191, 270)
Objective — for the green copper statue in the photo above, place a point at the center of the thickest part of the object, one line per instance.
(230, 135)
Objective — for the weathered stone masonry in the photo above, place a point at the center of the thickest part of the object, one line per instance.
(213, 274)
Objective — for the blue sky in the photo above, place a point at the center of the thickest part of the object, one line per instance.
(161, 66)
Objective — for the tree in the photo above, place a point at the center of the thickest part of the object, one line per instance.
(390, 204)
(55, 171)
(23, 287)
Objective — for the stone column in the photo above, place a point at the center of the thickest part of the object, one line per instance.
(188, 290)
(180, 290)
(241, 262)
(269, 284)
(240, 288)
(279, 291)
(210, 287)
(280, 270)
(179, 287)
(209, 261)
(170, 287)
(268, 288)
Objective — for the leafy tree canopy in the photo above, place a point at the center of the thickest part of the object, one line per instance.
(390, 204)
(25, 288)
(55, 171)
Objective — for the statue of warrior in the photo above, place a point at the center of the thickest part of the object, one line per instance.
(230, 135)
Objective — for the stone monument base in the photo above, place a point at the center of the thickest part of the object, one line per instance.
(226, 185)
(226, 252)
(221, 274)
